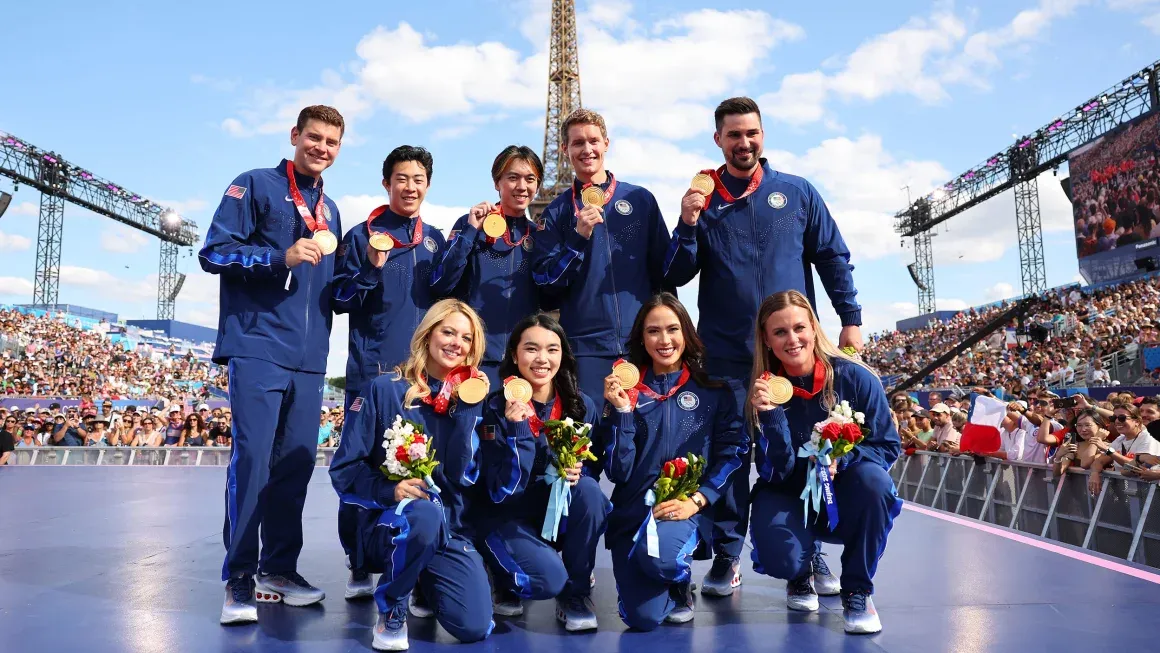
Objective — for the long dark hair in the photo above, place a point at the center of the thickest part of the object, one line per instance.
(565, 382)
(694, 353)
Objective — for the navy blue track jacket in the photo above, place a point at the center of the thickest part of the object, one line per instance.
(602, 281)
(355, 473)
(246, 245)
(754, 247)
(495, 279)
(784, 429)
(385, 305)
(637, 444)
(515, 461)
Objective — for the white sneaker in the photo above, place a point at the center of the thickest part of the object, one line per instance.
(360, 584)
(391, 630)
(239, 606)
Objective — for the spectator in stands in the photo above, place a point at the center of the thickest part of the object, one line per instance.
(7, 439)
(917, 431)
(325, 429)
(28, 435)
(97, 431)
(68, 431)
(1133, 440)
(1082, 445)
(148, 435)
(945, 438)
(193, 431)
(219, 432)
(934, 399)
(173, 427)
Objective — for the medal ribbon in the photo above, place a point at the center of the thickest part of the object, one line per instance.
(507, 238)
(641, 389)
(441, 401)
(312, 223)
(534, 422)
(754, 182)
(607, 194)
(819, 381)
(416, 238)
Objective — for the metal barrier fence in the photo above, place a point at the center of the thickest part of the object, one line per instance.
(1120, 521)
(179, 456)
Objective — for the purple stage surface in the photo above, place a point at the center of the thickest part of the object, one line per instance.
(98, 559)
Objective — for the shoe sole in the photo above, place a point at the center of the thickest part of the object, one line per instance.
(239, 620)
(507, 612)
(264, 596)
(679, 620)
(380, 647)
(802, 608)
(863, 632)
(420, 613)
(576, 629)
(359, 594)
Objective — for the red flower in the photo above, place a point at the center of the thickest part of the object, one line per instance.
(575, 438)
(669, 469)
(831, 432)
(419, 438)
(681, 465)
(851, 432)
(401, 455)
(583, 450)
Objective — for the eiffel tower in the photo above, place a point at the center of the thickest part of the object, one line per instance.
(563, 99)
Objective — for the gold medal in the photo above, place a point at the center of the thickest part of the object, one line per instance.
(628, 375)
(494, 225)
(326, 242)
(517, 390)
(780, 390)
(381, 242)
(592, 196)
(703, 184)
(472, 391)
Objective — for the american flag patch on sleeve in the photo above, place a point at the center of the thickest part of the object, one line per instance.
(236, 192)
(356, 405)
(487, 432)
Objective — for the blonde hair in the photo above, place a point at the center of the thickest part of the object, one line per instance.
(582, 117)
(764, 360)
(414, 369)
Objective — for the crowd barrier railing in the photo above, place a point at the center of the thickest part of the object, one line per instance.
(138, 456)
(1120, 520)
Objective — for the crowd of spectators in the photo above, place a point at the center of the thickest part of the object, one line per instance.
(1061, 342)
(46, 356)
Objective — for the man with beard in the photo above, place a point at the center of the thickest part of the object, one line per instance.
(751, 231)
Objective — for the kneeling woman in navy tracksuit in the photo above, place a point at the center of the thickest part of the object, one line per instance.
(674, 410)
(790, 343)
(516, 456)
(407, 531)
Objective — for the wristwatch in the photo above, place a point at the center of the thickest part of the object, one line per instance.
(1109, 451)
(699, 500)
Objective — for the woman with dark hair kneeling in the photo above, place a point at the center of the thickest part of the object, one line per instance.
(673, 411)
(516, 459)
(416, 530)
(790, 343)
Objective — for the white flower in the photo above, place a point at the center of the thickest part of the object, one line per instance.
(568, 421)
(860, 418)
(815, 437)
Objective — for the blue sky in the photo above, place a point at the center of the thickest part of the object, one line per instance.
(859, 98)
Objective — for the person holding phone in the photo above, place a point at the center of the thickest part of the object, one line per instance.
(1133, 440)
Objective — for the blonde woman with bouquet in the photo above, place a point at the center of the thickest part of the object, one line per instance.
(825, 441)
(407, 463)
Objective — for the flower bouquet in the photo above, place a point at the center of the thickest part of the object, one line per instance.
(679, 479)
(409, 453)
(569, 443)
(837, 435)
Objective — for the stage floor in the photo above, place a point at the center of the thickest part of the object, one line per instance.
(100, 559)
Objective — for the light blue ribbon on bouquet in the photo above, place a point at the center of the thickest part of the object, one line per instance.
(649, 528)
(558, 502)
(818, 487)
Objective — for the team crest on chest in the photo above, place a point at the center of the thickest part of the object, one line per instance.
(527, 244)
(777, 200)
(688, 401)
(622, 207)
(326, 211)
(429, 243)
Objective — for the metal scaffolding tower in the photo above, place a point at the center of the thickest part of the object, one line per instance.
(563, 99)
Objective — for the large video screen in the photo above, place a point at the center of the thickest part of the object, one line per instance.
(1115, 188)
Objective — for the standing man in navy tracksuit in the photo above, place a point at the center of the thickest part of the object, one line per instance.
(386, 293)
(759, 232)
(604, 261)
(272, 242)
(493, 274)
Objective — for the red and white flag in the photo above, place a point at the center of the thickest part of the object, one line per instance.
(981, 432)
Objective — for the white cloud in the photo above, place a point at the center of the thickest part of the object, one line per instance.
(123, 240)
(1152, 22)
(1001, 290)
(412, 75)
(918, 59)
(13, 242)
(24, 208)
(17, 287)
(103, 284)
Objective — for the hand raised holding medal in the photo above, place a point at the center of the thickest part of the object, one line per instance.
(770, 391)
(593, 198)
(696, 198)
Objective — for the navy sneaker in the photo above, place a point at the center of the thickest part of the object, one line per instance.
(723, 577)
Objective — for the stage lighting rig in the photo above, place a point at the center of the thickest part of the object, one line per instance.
(59, 181)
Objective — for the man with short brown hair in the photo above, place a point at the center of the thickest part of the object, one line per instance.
(271, 242)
